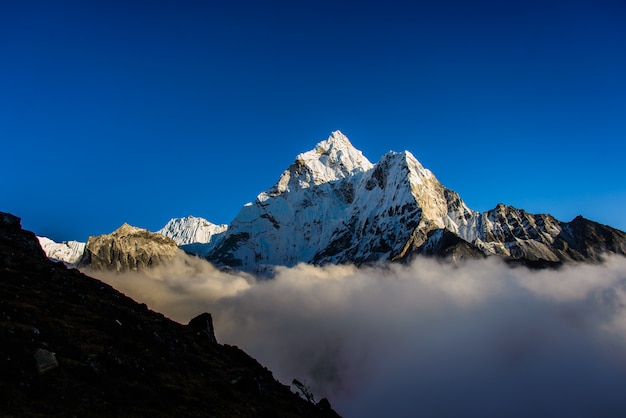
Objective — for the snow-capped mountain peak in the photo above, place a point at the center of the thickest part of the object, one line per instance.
(332, 159)
(333, 205)
(191, 230)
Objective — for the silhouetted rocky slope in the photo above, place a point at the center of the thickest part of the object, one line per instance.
(71, 345)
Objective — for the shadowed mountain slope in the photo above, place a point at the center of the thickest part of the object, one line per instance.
(74, 346)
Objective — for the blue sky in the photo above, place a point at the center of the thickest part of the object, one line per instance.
(138, 112)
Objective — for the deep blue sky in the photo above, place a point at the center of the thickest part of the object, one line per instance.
(137, 112)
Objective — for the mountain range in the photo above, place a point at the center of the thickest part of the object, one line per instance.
(332, 205)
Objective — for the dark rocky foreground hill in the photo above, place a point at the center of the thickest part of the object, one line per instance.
(71, 345)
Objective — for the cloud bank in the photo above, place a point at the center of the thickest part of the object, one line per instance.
(425, 339)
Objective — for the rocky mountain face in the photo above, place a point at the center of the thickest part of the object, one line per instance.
(74, 346)
(128, 248)
(542, 239)
(69, 252)
(332, 205)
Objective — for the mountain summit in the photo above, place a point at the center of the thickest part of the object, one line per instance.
(332, 205)
(332, 159)
(128, 248)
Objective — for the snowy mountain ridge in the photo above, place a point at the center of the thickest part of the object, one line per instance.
(191, 230)
(357, 214)
(332, 159)
(333, 206)
(68, 251)
(190, 233)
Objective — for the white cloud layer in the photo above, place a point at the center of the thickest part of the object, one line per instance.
(425, 339)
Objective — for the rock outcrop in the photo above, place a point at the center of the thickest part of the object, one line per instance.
(17, 244)
(128, 248)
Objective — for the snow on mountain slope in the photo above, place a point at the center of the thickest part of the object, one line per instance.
(191, 230)
(333, 206)
(330, 160)
(396, 205)
(298, 215)
(68, 251)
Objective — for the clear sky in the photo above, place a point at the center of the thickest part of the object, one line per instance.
(138, 112)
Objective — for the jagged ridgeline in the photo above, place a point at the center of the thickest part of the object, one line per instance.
(332, 205)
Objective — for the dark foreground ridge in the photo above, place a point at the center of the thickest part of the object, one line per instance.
(74, 346)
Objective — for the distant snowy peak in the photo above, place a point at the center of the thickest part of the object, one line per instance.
(68, 251)
(332, 159)
(191, 230)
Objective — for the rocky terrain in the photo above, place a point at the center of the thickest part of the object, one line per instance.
(74, 346)
(128, 248)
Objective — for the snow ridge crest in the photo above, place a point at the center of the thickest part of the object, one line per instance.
(191, 230)
(332, 159)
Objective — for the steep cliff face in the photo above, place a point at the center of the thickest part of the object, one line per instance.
(333, 206)
(396, 205)
(74, 346)
(128, 248)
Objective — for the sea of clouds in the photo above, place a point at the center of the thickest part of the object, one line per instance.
(427, 339)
